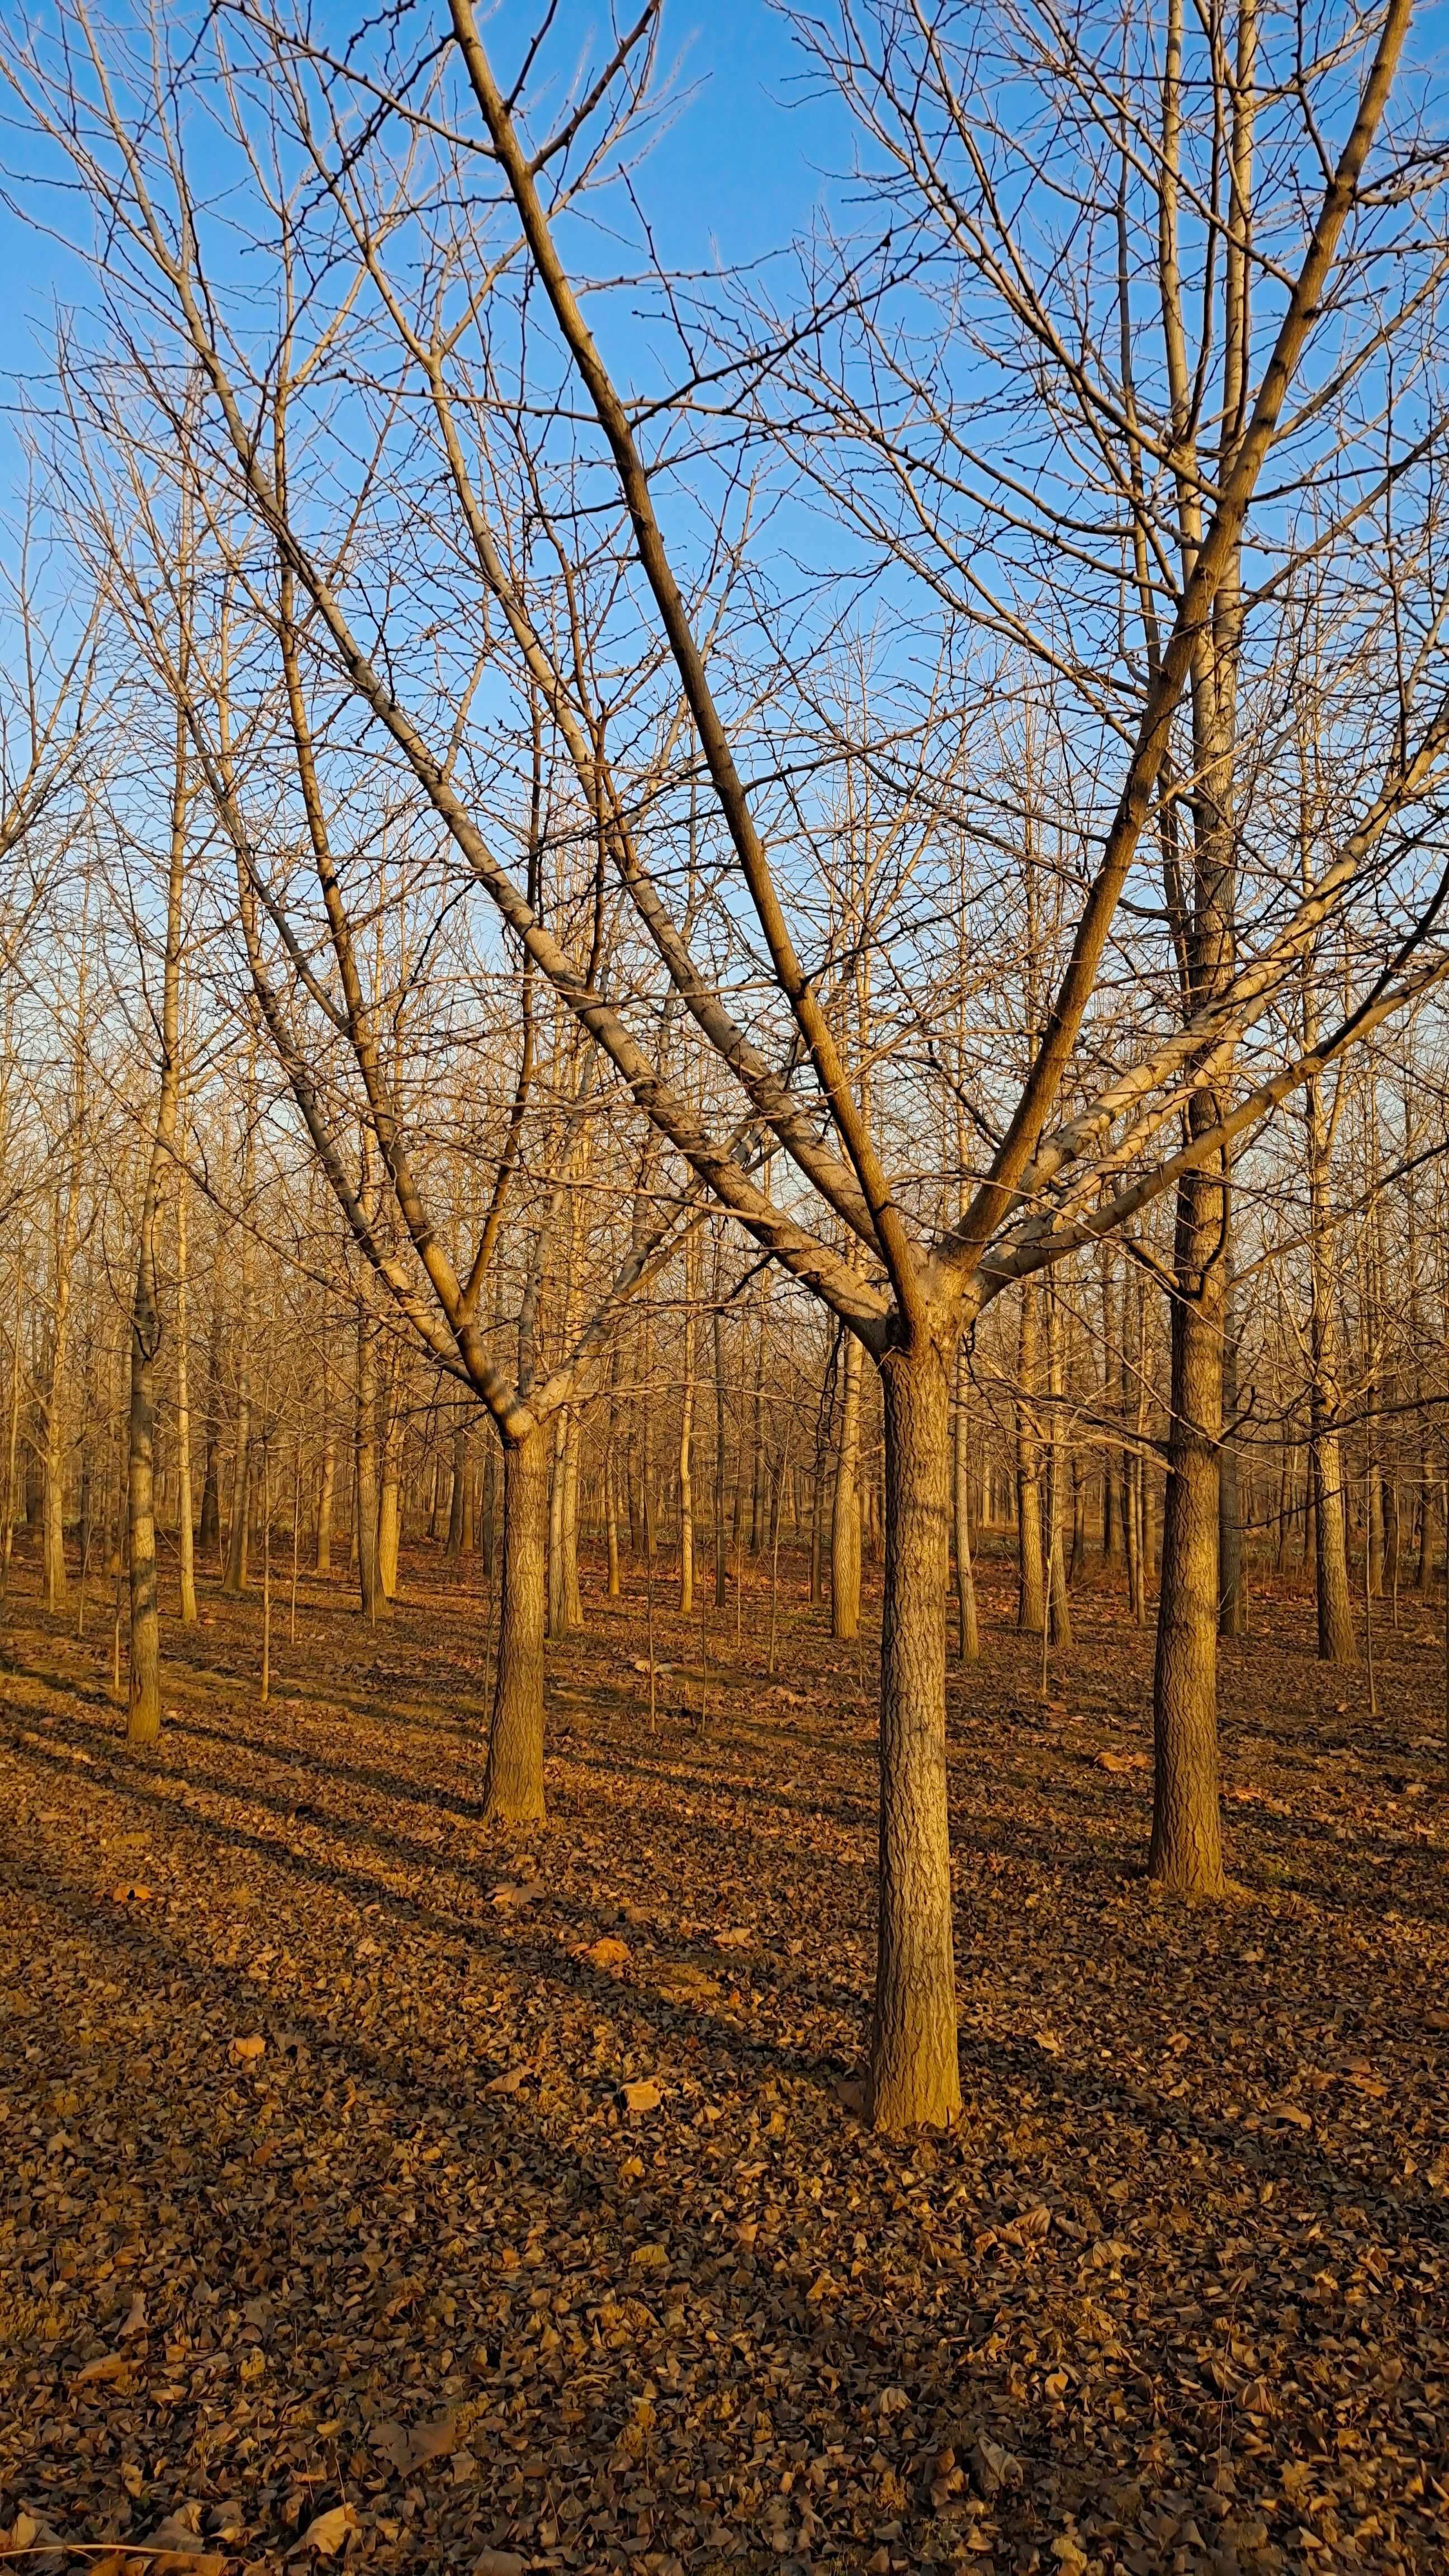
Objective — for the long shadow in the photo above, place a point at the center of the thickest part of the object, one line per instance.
(1005, 2066)
(727, 1834)
(547, 1962)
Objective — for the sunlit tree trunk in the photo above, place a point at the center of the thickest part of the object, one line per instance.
(914, 2072)
(513, 1782)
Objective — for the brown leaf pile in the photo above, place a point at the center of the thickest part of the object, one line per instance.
(386, 2191)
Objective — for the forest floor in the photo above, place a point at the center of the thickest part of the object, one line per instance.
(325, 2226)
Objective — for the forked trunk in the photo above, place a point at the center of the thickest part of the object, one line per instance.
(914, 2074)
(1186, 1849)
(513, 1782)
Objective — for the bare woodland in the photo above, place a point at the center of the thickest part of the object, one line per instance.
(723, 1002)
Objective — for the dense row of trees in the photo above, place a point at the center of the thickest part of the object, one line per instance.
(732, 912)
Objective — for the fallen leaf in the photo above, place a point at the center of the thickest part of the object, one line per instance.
(994, 2468)
(111, 2366)
(606, 1953)
(409, 2449)
(247, 2051)
(505, 1895)
(509, 2081)
(645, 2095)
(180, 2534)
(499, 2562)
(737, 1938)
(136, 2321)
(330, 2532)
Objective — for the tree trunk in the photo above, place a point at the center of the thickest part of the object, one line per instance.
(53, 1579)
(389, 1499)
(327, 1484)
(914, 2071)
(1113, 1459)
(1186, 1851)
(1057, 1475)
(209, 1532)
(12, 1436)
(513, 1782)
(968, 1634)
(1325, 1458)
(573, 1599)
(453, 1545)
(143, 1722)
(369, 1573)
(686, 1462)
(719, 1462)
(1232, 1609)
(845, 1517)
(1030, 1594)
(555, 1621)
(184, 1527)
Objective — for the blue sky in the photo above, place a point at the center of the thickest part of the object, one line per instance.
(735, 175)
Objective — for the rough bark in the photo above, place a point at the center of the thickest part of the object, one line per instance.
(513, 1782)
(914, 2071)
(1186, 1852)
